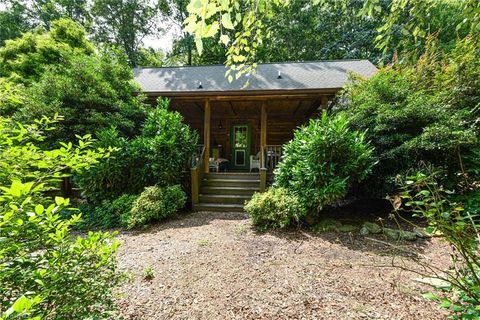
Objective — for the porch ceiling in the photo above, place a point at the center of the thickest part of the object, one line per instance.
(283, 108)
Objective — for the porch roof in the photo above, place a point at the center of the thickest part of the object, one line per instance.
(270, 77)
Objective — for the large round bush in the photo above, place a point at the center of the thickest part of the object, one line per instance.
(155, 203)
(275, 208)
(322, 160)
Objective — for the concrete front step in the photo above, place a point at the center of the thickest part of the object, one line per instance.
(249, 191)
(233, 175)
(218, 207)
(231, 183)
(226, 199)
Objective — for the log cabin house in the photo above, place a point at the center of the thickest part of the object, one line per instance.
(242, 128)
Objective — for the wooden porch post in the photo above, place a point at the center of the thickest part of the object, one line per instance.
(324, 103)
(263, 143)
(263, 133)
(206, 135)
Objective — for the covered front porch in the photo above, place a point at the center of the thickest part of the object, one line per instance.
(242, 136)
(242, 127)
(245, 133)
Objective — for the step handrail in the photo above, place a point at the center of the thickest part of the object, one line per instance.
(196, 173)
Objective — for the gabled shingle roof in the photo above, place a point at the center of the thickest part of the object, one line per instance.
(294, 76)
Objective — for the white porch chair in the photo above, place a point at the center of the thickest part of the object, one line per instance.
(255, 161)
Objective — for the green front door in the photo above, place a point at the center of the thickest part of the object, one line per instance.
(240, 142)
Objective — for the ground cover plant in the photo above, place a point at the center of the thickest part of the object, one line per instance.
(45, 271)
(155, 204)
(275, 208)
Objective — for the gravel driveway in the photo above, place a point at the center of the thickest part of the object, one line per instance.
(216, 266)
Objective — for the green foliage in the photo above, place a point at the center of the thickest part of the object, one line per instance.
(427, 112)
(169, 143)
(148, 274)
(63, 75)
(155, 204)
(418, 20)
(91, 93)
(125, 24)
(45, 272)
(22, 160)
(150, 57)
(12, 23)
(331, 30)
(25, 59)
(29, 14)
(157, 156)
(106, 215)
(275, 208)
(12, 97)
(425, 196)
(323, 160)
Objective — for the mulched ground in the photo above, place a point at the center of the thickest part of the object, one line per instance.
(216, 266)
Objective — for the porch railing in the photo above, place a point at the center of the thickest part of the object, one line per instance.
(196, 172)
(272, 155)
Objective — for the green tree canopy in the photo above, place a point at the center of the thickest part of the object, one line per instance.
(25, 59)
(59, 72)
(125, 24)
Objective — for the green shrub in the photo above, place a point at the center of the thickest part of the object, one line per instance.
(26, 58)
(154, 204)
(63, 73)
(157, 157)
(125, 171)
(459, 226)
(275, 208)
(12, 97)
(46, 272)
(91, 93)
(322, 161)
(106, 215)
(425, 112)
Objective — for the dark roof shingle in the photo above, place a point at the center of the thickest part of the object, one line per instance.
(294, 76)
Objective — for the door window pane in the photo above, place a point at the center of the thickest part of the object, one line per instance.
(239, 157)
(240, 137)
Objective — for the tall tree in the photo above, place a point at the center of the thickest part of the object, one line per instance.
(19, 16)
(413, 18)
(125, 24)
(330, 30)
(174, 12)
(42, 12)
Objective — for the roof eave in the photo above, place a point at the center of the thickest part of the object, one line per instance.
(272, 92)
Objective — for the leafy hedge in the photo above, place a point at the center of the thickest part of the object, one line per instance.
(156, 157)
(275, 208)
(324, 158)
(45, 271)
(425, 112)
(318, 166)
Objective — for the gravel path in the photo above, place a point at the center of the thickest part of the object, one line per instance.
(216, 266)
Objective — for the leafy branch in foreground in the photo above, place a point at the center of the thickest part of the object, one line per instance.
(416, 20)
(459, 226)
(45, 272)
